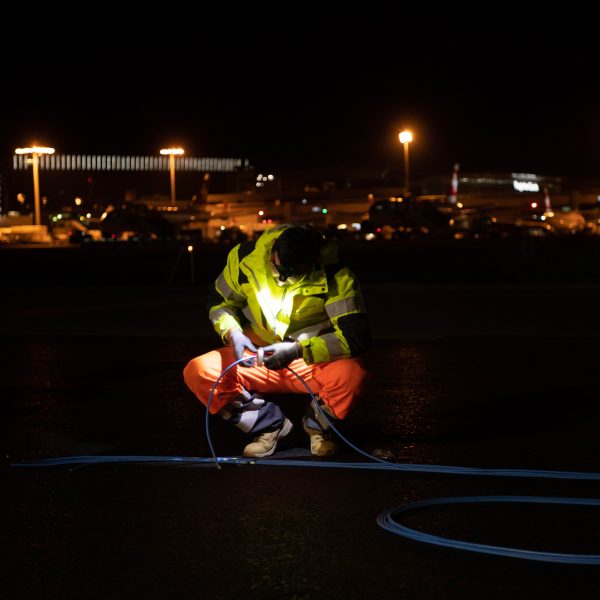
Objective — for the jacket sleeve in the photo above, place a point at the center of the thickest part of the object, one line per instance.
(351, 333)
(225, 298)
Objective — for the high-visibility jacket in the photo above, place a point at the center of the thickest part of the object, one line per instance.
(324, 311)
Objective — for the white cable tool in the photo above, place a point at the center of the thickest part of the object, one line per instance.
(260, 355)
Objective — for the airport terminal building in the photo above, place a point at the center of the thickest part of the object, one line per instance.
(224, 192)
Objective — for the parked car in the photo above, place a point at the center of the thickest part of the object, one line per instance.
(408, 218)
(135, 222)
(67, 230)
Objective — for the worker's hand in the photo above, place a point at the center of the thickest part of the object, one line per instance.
(280, 355)
(240, 342)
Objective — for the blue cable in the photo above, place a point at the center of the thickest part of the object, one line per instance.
(387, 518)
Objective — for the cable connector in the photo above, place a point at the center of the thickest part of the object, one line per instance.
(320, 417)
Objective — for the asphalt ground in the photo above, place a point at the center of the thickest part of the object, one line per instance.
(498, 376)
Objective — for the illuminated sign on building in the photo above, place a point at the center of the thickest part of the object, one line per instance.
(526, 186)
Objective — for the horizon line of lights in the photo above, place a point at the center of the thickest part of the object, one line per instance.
(110, 162)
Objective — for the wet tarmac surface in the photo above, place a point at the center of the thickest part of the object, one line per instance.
(498, 377)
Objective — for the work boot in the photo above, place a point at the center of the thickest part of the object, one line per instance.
(265, 443)
(321, 442)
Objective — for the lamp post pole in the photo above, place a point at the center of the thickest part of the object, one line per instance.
(172, 152)
(405, 139)
(35, 152)
(36, 187)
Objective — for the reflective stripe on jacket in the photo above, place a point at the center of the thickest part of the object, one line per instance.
(324, 311)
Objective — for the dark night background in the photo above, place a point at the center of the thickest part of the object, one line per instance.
(484, 354)
(495, 93)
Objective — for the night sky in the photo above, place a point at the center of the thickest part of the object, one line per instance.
(331, 93)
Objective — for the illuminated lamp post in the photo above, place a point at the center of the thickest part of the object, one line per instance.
(405, 138)
(172, 153)
(35, 152)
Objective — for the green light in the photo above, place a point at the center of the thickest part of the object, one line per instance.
(324, 211)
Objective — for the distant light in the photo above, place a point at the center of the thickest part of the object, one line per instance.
(177, 151)
(78, 201)
(304, 200)
(190, 248)
(222, 228)
(324, 211)
(342, 226)
(370, 236)
(270, 177)
(534, 205)
(36, 150)
(261, 213)
(525, 176)
(405, 137)
(88, 215)
(459, 204)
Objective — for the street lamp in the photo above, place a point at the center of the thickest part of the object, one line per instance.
(35, 152)
(405, 138)
(172, 153)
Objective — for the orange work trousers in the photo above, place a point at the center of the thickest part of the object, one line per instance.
(338, 383)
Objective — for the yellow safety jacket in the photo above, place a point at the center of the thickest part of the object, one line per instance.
(324, 310)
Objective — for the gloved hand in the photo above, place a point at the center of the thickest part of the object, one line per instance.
(239, 342)
(280, 355)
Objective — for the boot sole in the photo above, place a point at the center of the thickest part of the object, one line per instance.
(287, 427)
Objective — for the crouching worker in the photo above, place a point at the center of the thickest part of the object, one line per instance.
(287, 294)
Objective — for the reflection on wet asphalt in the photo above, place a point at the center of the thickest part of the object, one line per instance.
(263, 532)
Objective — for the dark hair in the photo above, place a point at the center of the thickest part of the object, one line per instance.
(298, 245)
